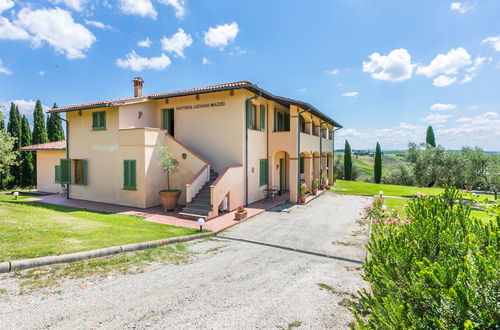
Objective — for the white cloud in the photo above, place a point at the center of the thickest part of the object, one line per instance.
(473, 71)
(484, 126)
(77, 5)
(99, 25)
(135, 62)
(333, 72)
(178, 5)
(221, 35)
(6, 4)
(238, 51)
(302, 90)
(459, 7)
(57, 28)
(138, 7)
(146, 43)
(349, 132)
(26, 107)
(447, 64)
(10, 31)
(494, 42)
(177, 43)
(436, 118)
(443, 81)
(350, 94)
(4, 69)
(396, 66)
(205, 60)
(41, 73)
(443, 107)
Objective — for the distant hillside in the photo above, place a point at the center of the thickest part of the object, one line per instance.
(364, 161)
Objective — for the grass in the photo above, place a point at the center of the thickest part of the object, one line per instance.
(127, 263)
(34, 229)
(356, 187)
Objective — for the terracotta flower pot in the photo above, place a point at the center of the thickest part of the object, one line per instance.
(322, 187)
(314, 191)
(169, 199)
(240, 216)
(468, 187)
(302, 199)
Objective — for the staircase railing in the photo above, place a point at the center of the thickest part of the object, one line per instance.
(228, 182)
(197, 183)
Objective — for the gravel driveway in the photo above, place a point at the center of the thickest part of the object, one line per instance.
(283, 268)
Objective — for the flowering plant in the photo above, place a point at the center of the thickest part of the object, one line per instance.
(377, 211)
(315, 184)
(303, 189)
(240, 209)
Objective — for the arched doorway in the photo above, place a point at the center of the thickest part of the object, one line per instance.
(281, 171)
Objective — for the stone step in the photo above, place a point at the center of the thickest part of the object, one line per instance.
(200, 205)
(191, 216)
(198, 212)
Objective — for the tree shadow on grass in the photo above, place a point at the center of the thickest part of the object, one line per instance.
(58, 208)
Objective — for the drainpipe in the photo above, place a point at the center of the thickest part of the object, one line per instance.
(246, 145)
(298, 150)
(320, 149)
(67, 150)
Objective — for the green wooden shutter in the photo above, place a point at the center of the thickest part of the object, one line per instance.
(65, 170)
(287, 122)
(301, 165)
(94, 120)
(262, 117)
(129, 175)
(58, 174)
(84, 171)
(165, 119)
(249, 114)
(263, 172)
(102, 121)
(275, 120)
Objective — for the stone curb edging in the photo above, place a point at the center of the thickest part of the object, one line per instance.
(9, 266)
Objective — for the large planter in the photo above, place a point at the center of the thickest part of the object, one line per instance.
(322, 187)
(314, 191)
(240, 216)
(302, 199)
(169, 199)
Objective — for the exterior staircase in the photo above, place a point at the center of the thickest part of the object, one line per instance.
(200, 206)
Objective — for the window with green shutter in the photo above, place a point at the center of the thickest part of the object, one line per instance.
(262, 117)
(65, 170)
(168, 120)
(281, 120)
(129, 175)
(301, 165)
(98, 120)
(249, 114)
(263, 172)
(58, 174)
(80, 171)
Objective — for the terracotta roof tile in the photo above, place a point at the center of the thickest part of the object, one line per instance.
(57, 145)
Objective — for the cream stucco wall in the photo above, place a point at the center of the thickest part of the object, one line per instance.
(46, 160)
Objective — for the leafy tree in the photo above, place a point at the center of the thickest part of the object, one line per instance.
(338, 166)
(55, 131)
(377, 167)
(430, 138)
(475, 166)
(39, 130)
(400, 176)
(167, 162)
(2, 122)
(8, 158)
(347, 161)
(27, 165)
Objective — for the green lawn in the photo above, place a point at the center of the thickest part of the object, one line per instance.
(398, 203)
(33, 229)
(356, 187)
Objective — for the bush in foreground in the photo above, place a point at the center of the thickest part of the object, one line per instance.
(436, 267)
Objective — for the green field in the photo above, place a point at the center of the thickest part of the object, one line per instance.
(356, 187)
(33, 229)
(390, 161)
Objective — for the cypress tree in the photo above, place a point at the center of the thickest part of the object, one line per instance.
(14, 129)
(27, 177)
(39, 130)
(347, 161)
(377, 167)
(55, 131)
(430, 138)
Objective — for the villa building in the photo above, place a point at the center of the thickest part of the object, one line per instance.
(234, 142)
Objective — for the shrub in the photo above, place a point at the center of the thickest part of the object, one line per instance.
(400, 176)
(436, 267)
(315, 184)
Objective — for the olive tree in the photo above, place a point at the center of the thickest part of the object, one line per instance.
(167, 162)
(8, 157)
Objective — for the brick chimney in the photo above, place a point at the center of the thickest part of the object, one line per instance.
(138, 86)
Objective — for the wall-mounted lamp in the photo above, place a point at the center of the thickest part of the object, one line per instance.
(140, 115)
(79, 112)
(277, 167)
(166, 101)
(184, 156)
(253, 169)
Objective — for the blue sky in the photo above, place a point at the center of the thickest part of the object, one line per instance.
(384, 69)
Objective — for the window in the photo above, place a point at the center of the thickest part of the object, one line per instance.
(57, 174)
(168, 120)
(129, 175)
(281, 120)
(254, 117)
(262, 117)
(301, 165)
(263, 172)
(98, 120)
(65, 171)
(79, 172)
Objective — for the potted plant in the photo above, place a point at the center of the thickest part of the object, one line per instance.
(324, 180)
(168, 164)
(303, 193)
(315, 185)
(241, 213)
